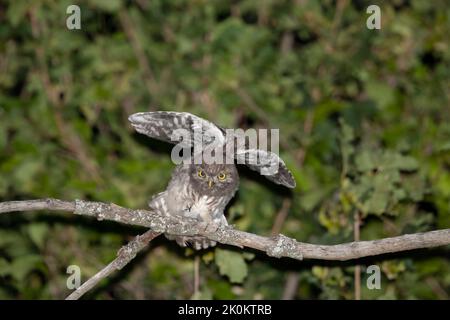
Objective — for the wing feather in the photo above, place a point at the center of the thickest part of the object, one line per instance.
(166, 125)
(267, 164)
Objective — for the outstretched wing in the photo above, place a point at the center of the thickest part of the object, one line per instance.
(176, 127)
(188, 129)
(267, 164)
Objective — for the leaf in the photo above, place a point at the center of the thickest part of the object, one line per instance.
(9, 238)
(208, 257)
(22, 266)
(313, 198)
(107, 5)
(364, 161)
(248, 255)
(393, 268)
(399, 161)
(4, 267)
(347, 131)
(399, 194)
(381, 93)
(444, 147)
(204, 294)
(347, 149)
(231, 264)
(377, 203)
(320, 272)
(38, 232)
(406, 163)
(17, 11)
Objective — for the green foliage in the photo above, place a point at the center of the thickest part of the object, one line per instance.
(364, 119)
(373, 181)
(232, 264)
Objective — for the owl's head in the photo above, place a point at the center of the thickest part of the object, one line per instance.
(217, 179)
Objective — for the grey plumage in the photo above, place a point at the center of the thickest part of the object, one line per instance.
(202, 191)
(189, 195)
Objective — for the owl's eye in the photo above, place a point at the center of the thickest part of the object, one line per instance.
(200, 173)
(222, 176)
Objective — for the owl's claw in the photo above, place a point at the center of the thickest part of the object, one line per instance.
(212, 243)
(204, 243)
(182, 242)
(197, 245)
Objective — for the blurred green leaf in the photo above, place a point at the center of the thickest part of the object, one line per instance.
(38, 233)
(231, 264)
(22, 266)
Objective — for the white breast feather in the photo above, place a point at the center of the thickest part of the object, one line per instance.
(202, 208)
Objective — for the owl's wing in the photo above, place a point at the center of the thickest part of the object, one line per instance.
(267, 164)
(176, 127)
(158, 203)
(187, 129)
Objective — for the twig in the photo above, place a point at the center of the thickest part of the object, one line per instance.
(281, 216)
(307, 129)
(292, 278)
(196, 275)
(124, 256)
(357, 273)
(291, 286)
(437, 288)
(278, 246)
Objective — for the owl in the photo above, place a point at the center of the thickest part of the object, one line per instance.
(200, 190)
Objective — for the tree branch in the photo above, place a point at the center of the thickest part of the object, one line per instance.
(277, 246)
(124, 256)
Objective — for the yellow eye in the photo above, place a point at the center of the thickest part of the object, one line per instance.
(222, 176)
(201, 174)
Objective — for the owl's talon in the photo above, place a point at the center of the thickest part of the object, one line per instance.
(181, 241)
(197, 245)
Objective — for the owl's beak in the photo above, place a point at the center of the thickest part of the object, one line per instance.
(210, 183)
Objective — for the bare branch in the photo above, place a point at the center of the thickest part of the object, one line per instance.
(278, 246)
(124, 256)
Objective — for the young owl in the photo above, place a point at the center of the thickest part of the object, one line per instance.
(202, 191)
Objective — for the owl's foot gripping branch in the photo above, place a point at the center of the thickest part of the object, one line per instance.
(278, 246)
